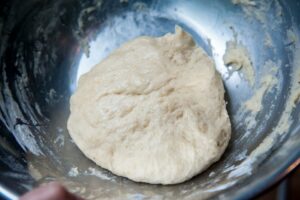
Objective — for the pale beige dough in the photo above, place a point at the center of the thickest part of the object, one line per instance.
(153, 111)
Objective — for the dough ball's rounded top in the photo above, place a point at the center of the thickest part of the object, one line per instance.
(153, 111)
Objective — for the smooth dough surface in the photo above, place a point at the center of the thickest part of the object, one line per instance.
(153, 111)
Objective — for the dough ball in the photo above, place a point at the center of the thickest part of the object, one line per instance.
(153, 111)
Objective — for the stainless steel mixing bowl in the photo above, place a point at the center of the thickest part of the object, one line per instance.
(46, 45)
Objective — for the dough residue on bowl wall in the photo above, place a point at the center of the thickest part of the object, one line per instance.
(254, 104)
(257, 10)
(244, 2)
(266, 83)
(268, 41)
(292, 38)
(294, 97)
(237, 56)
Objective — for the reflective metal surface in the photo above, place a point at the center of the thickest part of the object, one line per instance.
(46, 45)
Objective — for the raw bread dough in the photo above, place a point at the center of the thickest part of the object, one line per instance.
(153, 111)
